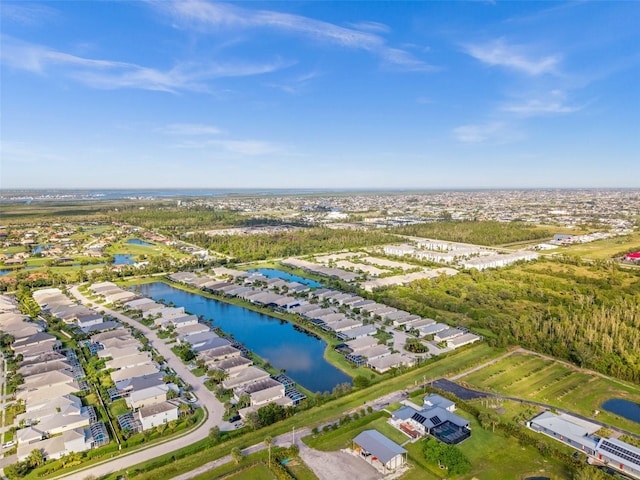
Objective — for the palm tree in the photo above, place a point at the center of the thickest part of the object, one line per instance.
(268, 441)
(184, 408)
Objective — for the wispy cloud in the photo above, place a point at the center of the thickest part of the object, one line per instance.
(296, 85)
(371, 27)
(493, 132)
(28, 14)
(246, 147)
(199, 136)
(206, 15)
(109, 74)
(191, 129)
(515, 57)
(554, 103)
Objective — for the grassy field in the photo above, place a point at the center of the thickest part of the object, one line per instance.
(534, 378)
(341, 438)
(602, 249)
(492, 455)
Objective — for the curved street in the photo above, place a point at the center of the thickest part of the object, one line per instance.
(206, 399)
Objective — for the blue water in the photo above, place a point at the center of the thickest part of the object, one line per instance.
(273, 273)
(625, 408)
(137, 241)
(123, 259)
(40, 249)
(274, 340)
(4, 272)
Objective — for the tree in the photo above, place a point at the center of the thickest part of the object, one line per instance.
(215, 435)
(268, 441)
(447, 455)
(184, 408)
(270, 414)
(35, 458)
(236, 454)
(360, 381)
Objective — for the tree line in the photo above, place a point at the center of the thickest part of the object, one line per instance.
(249, 248)
(481, 233)
(588, 315)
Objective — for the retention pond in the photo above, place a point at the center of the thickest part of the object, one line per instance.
(299, 354)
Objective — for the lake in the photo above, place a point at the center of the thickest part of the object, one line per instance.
(274, 340)
(273, 273)
(137, 241)
(123, 259)
(625, 408)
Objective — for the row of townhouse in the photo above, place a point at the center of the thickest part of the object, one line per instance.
(465, 256)
(136, 376)
(55, 421)
(243, 378)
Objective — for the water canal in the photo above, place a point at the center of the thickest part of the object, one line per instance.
(273, 273)
(274, 340)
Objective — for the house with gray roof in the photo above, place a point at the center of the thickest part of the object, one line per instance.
(434, 418)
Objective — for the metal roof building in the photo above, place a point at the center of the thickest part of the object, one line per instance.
(379, 451)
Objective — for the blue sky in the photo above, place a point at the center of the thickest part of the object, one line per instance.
(319, 94)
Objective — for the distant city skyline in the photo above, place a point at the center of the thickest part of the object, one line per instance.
(319, 95)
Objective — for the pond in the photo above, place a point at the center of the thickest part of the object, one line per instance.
(137, 241)
(625, 408)
(285, 347)
(40, 249)
(273, 273)
(123, 259)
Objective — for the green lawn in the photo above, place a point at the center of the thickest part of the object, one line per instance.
(258, 471)
(341, 438)
(533, 378)
(494, 456)
(300, 471)
(604, 248)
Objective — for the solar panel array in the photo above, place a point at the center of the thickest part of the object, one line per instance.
(419, 418)
(621, 452)
(435, 420)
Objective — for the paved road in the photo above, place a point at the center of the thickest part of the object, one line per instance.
(206, 399)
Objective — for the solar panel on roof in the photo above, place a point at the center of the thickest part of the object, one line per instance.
(418, 418)
(435, 420)
(621, 452)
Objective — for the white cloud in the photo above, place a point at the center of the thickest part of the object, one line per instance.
(295, 85)
(249, 147)
(553, 103)
(493, 132)
(371, 27)
(499, 53)
(190, 129)
(28, 14)
(242, 147)
(538, 107)
(108, 74)
(203, 14)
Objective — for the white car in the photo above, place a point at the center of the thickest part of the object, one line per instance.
(9, 444)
